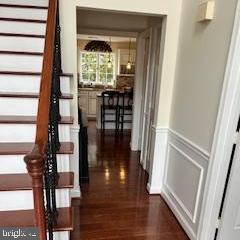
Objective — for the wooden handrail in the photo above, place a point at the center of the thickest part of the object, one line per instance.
(46, 80)
(36, 159)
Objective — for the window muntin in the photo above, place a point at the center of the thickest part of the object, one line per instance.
(95, 69)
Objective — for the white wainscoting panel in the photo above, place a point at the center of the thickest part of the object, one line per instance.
(184, 180)
(74, 161)
(157, 155)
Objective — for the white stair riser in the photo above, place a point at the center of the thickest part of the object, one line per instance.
(43, 3)
(22, 44)
(23, 13)
(9, 62)
(27, 132)
(20, 200)
(15, 164)
(22, 27)
(29, 84)
(27, 106)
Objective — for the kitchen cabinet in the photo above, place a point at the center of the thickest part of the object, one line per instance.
(88, 101)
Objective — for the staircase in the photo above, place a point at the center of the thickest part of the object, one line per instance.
(23, 38)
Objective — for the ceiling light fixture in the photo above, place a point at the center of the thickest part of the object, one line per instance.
(129, 65)
(109, 64)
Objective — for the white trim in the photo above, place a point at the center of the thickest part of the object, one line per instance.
(192, 216)
(158, 129)
(114, 57)
(190, 144)
(153, 190)
(137, 97)
(223, 138)
(75, 128)
(157, 158)
(75, 193)
(179, 216)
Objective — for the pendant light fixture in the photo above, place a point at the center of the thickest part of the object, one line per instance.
(109, 64)
(129, 65)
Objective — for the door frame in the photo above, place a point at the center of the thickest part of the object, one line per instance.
(224, 137)
(136, 136)
(148, 34)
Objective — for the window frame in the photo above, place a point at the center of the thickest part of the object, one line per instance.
(98, 82)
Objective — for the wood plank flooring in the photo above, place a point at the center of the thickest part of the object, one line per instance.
(115, 204)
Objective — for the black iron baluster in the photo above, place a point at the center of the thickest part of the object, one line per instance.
(51, 171)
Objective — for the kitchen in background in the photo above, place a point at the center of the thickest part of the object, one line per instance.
(104, 63)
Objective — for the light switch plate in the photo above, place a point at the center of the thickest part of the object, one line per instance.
(206, 11)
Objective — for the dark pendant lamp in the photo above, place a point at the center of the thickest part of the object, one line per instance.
(98, 46)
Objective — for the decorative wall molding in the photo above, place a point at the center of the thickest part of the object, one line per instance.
(191, 215)
(168, 145)
(191, 145)
(74, 159)
(185, 163)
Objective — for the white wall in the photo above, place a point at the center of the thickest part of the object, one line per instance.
(201, 62)
(171, 9)
(69, 65)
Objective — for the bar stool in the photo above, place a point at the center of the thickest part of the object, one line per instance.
(110, 106)
(125, 108)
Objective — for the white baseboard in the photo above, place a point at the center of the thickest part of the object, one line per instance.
(153, 190)
(178, 215)
(75, 193)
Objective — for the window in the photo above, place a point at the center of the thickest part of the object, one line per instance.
(95, 69)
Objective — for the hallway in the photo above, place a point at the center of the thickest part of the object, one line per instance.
(115, 204)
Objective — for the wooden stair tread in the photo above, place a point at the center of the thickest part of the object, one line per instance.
(30, 95)
(25, 218)
(22, 20)
(23, 181)
(22, 6)
(21, 53)
(21, 35)
(31, 73)
(29, 120)
(21, 148)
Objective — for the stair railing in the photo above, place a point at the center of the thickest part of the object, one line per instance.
(42, 161)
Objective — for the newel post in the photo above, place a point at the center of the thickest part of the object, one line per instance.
(35, 166)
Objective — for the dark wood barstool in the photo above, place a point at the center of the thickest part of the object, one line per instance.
(110, 106)
(125, 108)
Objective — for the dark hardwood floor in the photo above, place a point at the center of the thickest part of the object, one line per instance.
(115, 204)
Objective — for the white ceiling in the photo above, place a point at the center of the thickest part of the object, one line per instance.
(104, 38)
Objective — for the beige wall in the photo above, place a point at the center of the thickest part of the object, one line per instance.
(169, 8)
(202, 56)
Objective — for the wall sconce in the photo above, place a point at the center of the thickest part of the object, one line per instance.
(206, 11)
